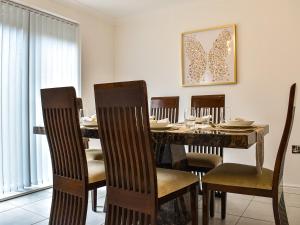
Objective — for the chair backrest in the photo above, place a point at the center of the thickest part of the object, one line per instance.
(70, 175)
(123, 120)
(165, 107)
(213, 102)
(279, 164)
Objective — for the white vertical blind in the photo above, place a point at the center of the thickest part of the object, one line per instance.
(54, 61)
(14, 136)
(37, 50)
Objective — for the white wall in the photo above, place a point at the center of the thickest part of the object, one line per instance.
(97, 45)
(148, 47)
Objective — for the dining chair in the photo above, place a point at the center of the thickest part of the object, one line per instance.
(244, 179)
(201, 159)
(73, 175)
(165, 107)
(135, 187)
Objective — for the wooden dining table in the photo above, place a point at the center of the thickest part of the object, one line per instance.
(238, 138)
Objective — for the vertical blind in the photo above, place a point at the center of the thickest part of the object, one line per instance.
(37, 50)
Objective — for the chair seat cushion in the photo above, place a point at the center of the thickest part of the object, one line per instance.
(93, 154)
(203, 160)
(238, 175)
(169, 181)
(96, 171)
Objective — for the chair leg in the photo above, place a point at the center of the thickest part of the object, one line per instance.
(223, 204)
(194, 204)
(206, 201)
(279, 210)
(212, 203)
(94, 199)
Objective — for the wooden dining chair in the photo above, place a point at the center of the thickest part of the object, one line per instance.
(73, 175)
(244, 179)
(135, 188)
(201, 159)
(165, 107)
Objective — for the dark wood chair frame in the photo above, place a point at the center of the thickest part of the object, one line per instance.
(132, 182)
(69, 164)
(165, 107)
(276, 193)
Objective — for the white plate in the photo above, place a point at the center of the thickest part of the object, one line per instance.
(89, 124)
(239, 123)
(160, 126)
(228, 126)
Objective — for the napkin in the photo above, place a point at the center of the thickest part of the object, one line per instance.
(92, 118)
(166, 120)
(203, 119)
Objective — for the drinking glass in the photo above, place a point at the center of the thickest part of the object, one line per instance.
(190, 117)
(225, 114)
(81, 115)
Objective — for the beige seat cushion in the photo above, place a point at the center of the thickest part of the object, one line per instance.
(203, 160)
(96, 171)
(93, 154)
(238, 175)
(169, 181)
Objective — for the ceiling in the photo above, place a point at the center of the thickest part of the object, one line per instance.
(119, 8)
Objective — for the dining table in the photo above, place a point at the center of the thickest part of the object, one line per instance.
(176, 212)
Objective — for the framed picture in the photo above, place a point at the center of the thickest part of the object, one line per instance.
(209, 56)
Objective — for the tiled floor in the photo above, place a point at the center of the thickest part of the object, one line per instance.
(242, 210)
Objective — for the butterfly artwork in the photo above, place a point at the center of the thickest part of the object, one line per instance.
(208, 56)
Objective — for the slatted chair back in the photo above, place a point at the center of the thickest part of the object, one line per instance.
(214, 104)
(70, 175)
(280, 159)
(165, 107)
(123, 120)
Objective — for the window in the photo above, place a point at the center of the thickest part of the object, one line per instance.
(37, 50)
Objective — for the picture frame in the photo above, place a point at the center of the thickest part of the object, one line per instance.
(208, 56)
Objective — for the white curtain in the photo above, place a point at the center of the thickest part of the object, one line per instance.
(54, 61)
(37, 50)
(14, 130)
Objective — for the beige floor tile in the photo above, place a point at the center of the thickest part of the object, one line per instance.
(248, 221)
(262, 199)
(235, 206)
(240, 196)
(230, 220)
(44, 222)
(4, 206)
(259, 211)
(42, 207)
(19, 216)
